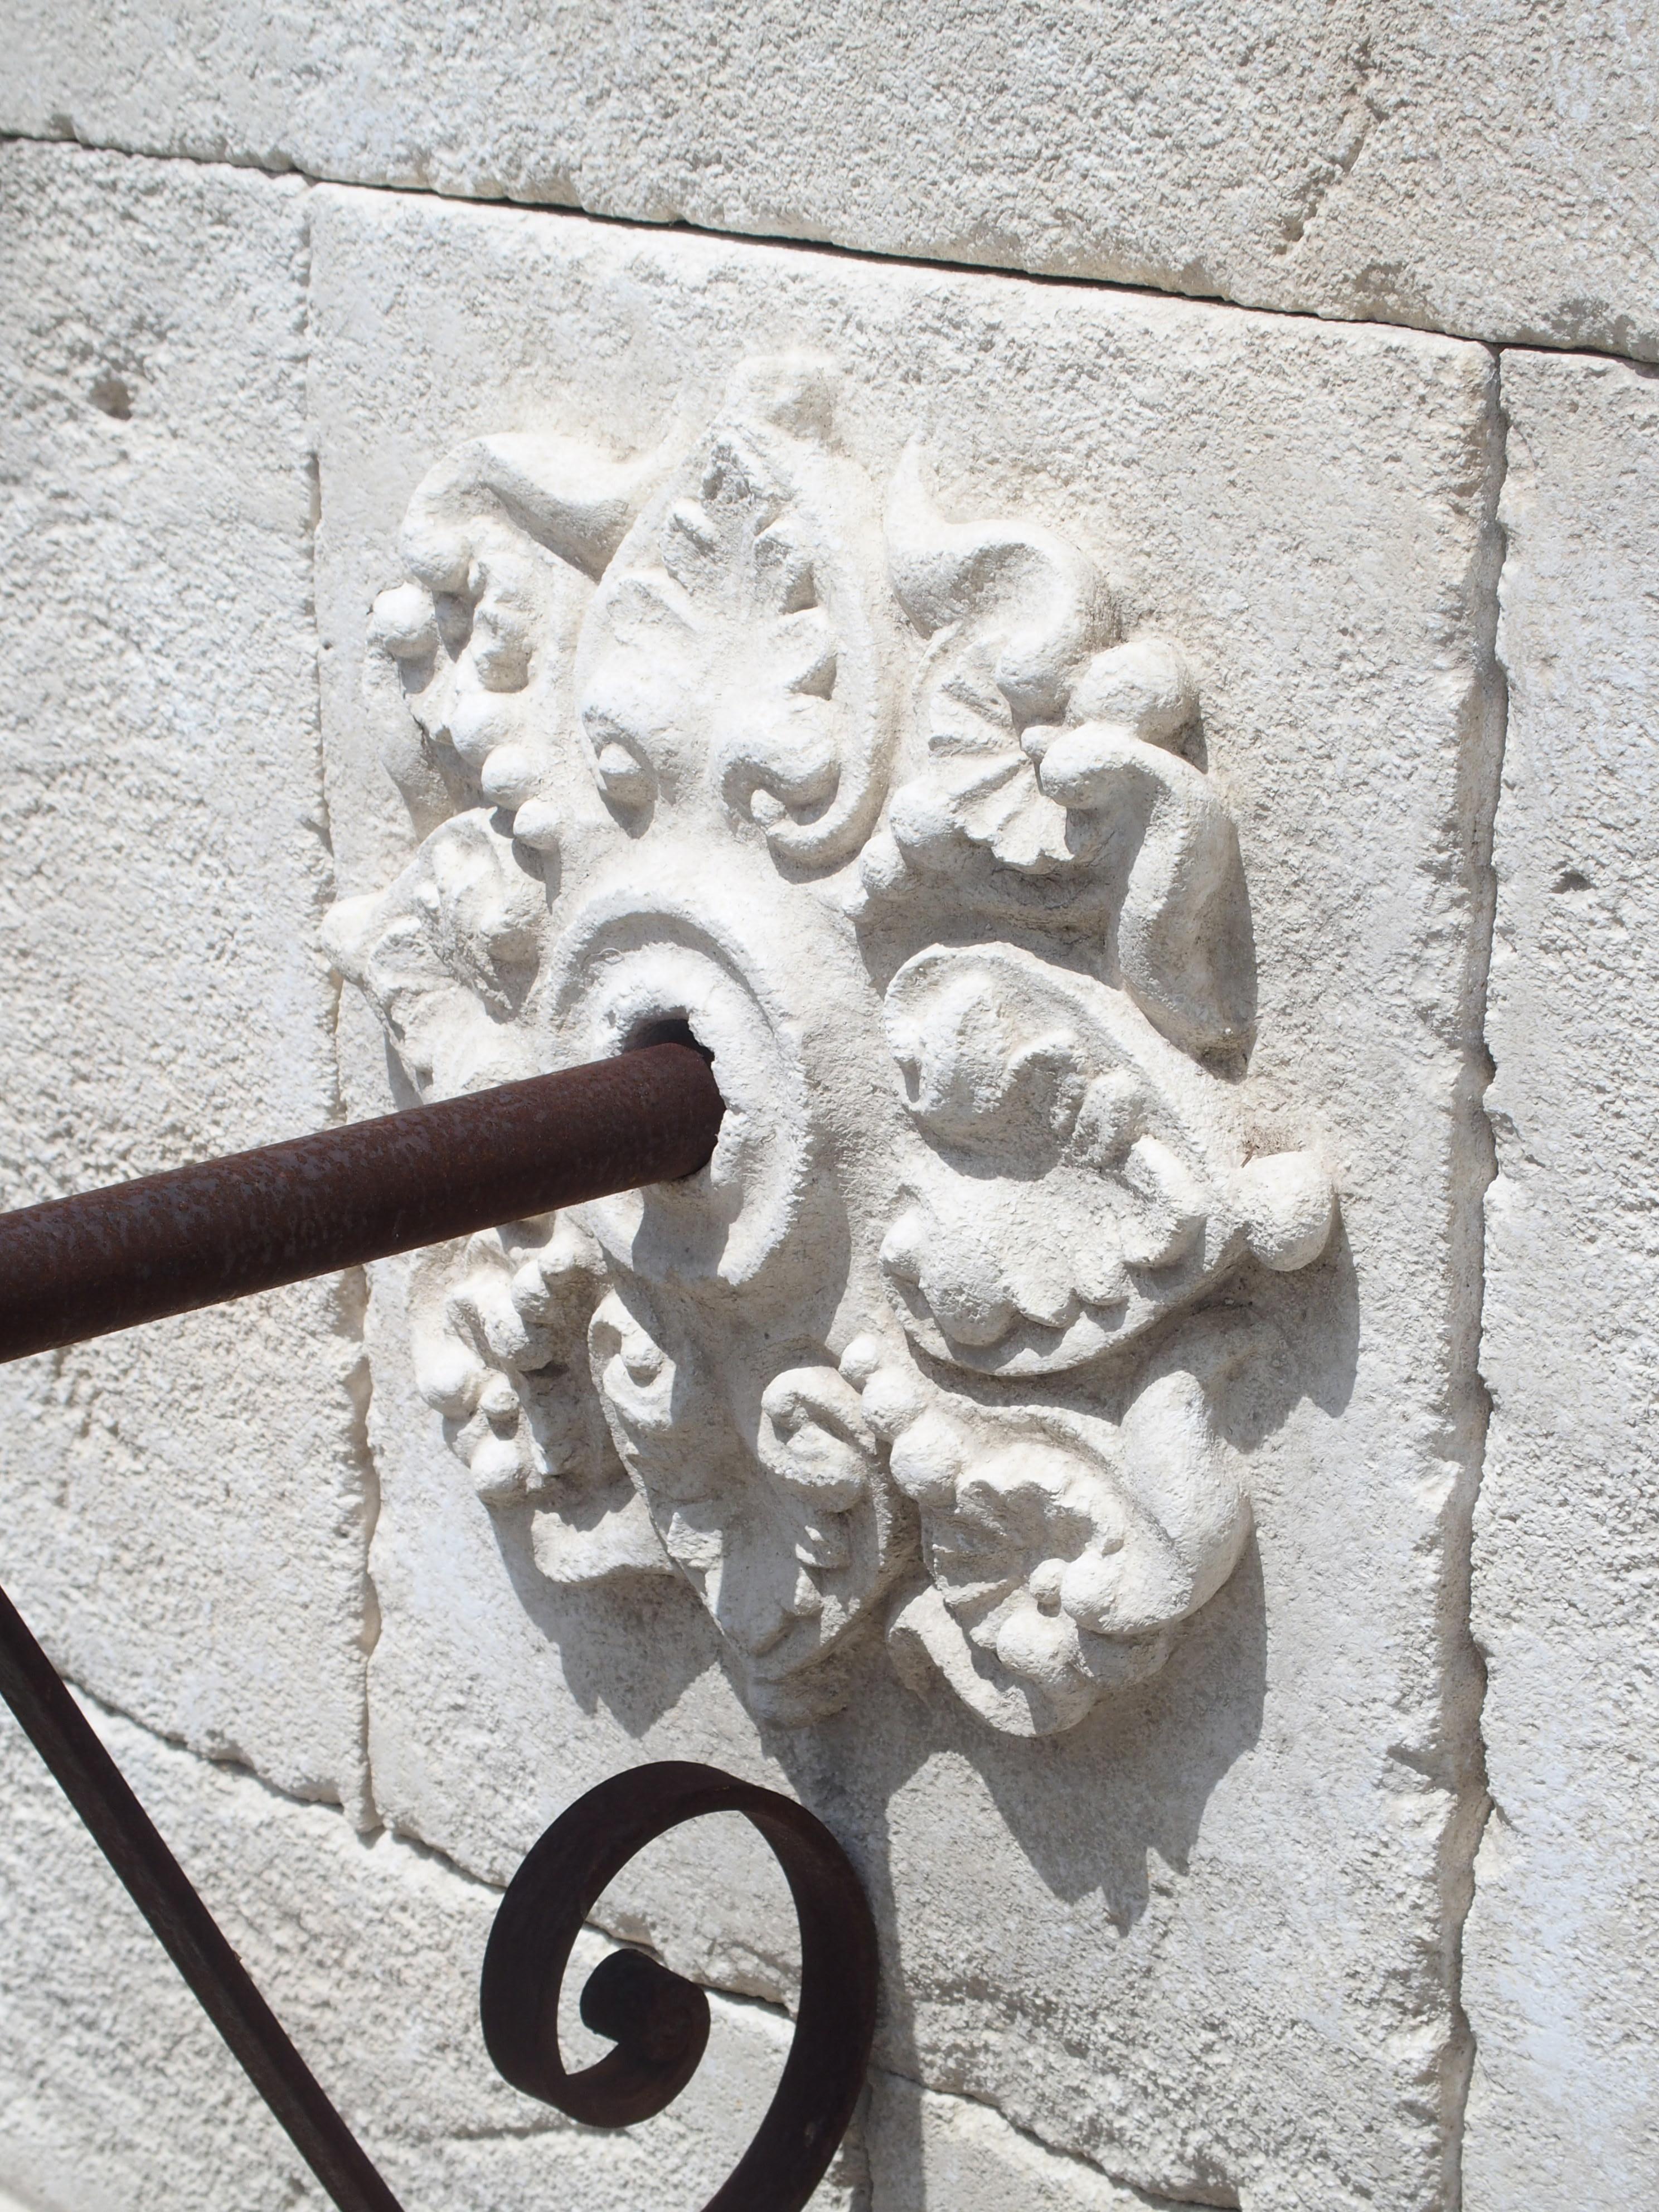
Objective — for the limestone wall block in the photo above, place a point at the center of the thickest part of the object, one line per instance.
(1168, 1867)
(185, 1507)
(926, 2149)
(1488, 169)
(1045, 741)
(1559, 1974)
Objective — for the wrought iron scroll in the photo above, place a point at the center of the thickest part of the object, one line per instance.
(660, 2022)
(79, 1266)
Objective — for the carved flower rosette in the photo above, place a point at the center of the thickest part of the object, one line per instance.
(886, 812)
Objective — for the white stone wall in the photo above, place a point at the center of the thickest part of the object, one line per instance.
(187, 1512)
(1340, 1901)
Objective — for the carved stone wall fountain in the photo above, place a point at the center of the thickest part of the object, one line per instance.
(884, 808)
(1066, 593)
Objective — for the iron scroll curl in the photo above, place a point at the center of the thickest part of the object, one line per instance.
(658, 2019)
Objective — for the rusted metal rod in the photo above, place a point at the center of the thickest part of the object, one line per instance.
(161, 1245)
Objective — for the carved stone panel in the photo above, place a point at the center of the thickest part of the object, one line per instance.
(720, 749)
(883, 675)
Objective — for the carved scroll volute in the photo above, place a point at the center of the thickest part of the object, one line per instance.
(714, 955)
(1054, 769)
(503, 541)
(736, 666)
(1063, 1550)
(1082, 1178)
(748, 1452)
(773, 1502)
(446, 956)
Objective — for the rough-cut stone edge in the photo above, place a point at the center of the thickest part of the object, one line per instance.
(1548, 815)
(352, 1299)
(352, 1291)
(1468, 1401)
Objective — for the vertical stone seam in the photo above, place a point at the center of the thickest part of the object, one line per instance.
(1483, 779)
(351, 1289)
(348, 1301)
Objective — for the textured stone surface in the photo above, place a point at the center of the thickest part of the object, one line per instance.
(1562, 1957)
(1490, 170)
(116, 2096)
(183, 1517)
(1204, 1940)
(930, 2151)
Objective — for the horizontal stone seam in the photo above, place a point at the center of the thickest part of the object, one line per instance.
(1149, 2198)
(869, 255)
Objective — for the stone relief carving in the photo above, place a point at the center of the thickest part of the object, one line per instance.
(885, 809)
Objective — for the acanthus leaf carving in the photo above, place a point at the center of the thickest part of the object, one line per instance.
(1064, 1550)
(891, 818)
(500, 1348)
(1082, 1178)
(785, 1525)
(737, 650)
(445, 955)
(1052, 751)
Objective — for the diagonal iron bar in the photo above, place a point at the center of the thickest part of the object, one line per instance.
(158, 1885)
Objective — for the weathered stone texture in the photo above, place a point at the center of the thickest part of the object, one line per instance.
(116, 2096)
(1205, 1940)
(184, 1508)
(1491, 169)
(1562, 1956)
(927, 2151)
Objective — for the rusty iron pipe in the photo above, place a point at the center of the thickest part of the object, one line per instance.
(78, 1268)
